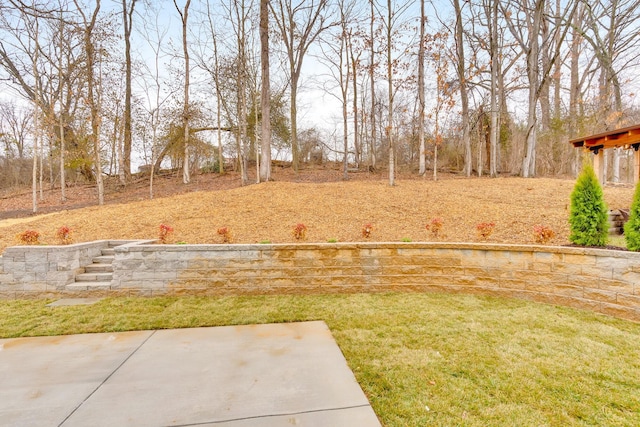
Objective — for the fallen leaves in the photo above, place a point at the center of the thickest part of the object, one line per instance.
(333, 211)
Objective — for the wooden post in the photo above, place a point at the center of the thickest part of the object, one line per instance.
(636, 166)
(598, 166)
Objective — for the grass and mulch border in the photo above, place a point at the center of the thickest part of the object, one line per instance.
(422, 359)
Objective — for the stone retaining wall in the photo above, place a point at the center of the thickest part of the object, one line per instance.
(27, 271)
(44, 268)
(600, 280)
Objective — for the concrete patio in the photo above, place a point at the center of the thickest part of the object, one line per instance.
(235, 376)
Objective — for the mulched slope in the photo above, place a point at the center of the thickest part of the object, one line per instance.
(332, 210)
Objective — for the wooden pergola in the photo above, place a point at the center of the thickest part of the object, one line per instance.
(627, 138)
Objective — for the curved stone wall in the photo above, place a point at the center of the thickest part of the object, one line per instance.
(604, 281)
(600, 280)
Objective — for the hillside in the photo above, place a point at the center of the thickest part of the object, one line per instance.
(332, 209)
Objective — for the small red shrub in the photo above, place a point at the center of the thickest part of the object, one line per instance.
(485, 229)
(366, 230)
(226, 234)
(542, 234)
(165, 233)
(64, 235)
(300, 231)
(435, 226)
(29, 237)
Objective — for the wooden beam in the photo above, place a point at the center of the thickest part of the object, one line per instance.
(615, 138)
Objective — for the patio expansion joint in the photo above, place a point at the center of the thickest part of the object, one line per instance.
(284, 414)
(107, 378)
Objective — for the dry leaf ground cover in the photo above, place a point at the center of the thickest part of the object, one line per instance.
(331, 211)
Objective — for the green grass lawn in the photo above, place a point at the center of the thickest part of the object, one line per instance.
(617, 241)
(422, 359)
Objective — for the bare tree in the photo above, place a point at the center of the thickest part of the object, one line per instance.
(615, 41)
(299, 24)
(89, 24)
(526, 27)
(422, 160)
(337, 57)
(265, 94)
(393, 20)
(15, 125)
(444, 92)
(239, 16)
(230, 62)
(184, 18)
(151, 84)
(127, 24)
(611, 31)
(63, 184)
(215, 71)
(576, 82)
(389, 128)
(61, 76)
(354, 55)
(462, 82)
(36, 127)
(491, 12)
(372, 80)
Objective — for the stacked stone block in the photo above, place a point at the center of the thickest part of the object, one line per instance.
(600, 280)
(604, 281)
(44, 270)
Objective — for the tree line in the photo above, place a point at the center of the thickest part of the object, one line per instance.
(92, 88)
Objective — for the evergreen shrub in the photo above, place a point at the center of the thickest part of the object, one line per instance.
(588, 217)
(632, 226)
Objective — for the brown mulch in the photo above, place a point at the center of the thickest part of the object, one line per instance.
(329, 207)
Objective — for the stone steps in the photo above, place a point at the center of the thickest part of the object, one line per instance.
(89, 286)
(103, 259)
(617, 218)
(99, 268)
(96, 276)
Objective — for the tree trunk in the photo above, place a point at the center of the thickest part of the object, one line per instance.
(422, 160)
(372, 67)
(557, 74)
(495, 109)
(36, 131)
(356, 131)
(265, 96)
(533, 56)
(242, 91)
(34, 171)
(390, 131)
(544, 96)
(119, 135)
(464, 98)
(297, 35)
(184, 17)
(574, 90)
(91, 98)
(154, 148)
(127, 19)
(63, 184)
(293, 117)
(216, 78)
(344, 88)
(435, 145)
(186, 170)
